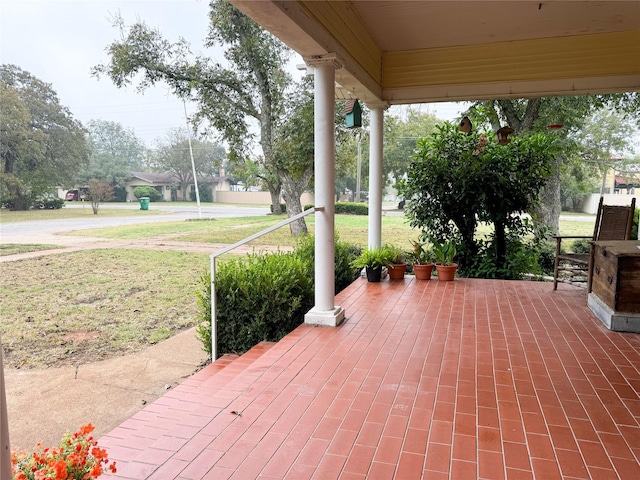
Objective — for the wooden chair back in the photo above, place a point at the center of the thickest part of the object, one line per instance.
(614, 222)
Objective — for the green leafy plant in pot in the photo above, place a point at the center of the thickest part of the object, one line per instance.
(421, 256)
(373, 260)
(445, 254)
(398, 265)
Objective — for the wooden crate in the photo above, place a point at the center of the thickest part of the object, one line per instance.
(616, 274)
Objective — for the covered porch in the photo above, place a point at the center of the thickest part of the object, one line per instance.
(424, 379)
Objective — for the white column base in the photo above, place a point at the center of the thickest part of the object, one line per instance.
(324, 318)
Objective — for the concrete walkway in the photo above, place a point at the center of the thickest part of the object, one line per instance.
(44, 403)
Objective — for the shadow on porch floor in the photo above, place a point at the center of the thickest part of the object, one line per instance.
(467, 379)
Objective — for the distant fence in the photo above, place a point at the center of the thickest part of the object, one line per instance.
(255, 198)
(590, 203)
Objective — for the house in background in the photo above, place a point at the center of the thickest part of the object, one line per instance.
(168, 185)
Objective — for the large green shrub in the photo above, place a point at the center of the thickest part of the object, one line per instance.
(457, 180)
(205, 192)
(264, 297)
(347, 208)
(258, 298)
(146, 191)
(352, 208)
(49, 203)
(345, 253)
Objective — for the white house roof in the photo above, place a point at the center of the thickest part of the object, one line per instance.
(167, 178)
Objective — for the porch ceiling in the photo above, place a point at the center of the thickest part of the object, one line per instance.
(410, 52)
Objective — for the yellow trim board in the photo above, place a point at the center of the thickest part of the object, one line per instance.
(611, 54)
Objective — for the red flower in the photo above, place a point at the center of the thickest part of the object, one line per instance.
(78, 457)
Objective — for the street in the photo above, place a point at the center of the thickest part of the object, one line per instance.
(19, 232)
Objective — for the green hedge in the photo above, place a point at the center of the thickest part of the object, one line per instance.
(150, 192)
(49, 203)
(259, 297)
(348, 208)
(206, 194)
(264, 297)
(283, 207)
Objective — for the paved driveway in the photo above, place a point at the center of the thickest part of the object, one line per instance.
(38, 231)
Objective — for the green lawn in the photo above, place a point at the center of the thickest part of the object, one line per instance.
(7, 216)
(12, 249)
(99, 303)
(351, 228)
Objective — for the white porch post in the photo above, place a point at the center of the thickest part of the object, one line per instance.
(375, 174)
(5, 446)
(324, 312)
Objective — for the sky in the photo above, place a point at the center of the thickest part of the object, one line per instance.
(59, 41)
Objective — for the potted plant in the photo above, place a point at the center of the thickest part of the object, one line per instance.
(398, 265)
(421, 257)
(373, 260)
(445, 253)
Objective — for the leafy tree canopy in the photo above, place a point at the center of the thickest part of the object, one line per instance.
(401, 135)
(231, 98)
(457, 180)
(42, 144)
(115, 153)
(535, 115)
(173, 155)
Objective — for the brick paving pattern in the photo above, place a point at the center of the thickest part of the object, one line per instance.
(468, 379)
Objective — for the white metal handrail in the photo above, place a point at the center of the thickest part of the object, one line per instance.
(227, 249)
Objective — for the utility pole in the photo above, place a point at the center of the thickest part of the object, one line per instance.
(193, 163)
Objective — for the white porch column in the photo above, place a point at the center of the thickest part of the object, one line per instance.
(5, 452)
(375, 174)
(324, 312)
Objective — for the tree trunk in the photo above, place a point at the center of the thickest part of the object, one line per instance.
(604, 180)
(293, 190)
(547, 214)
(501, 244)
(467, 227)
(274, 191)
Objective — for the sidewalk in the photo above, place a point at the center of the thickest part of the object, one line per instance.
(45, 403)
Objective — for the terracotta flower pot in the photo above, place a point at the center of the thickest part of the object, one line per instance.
(446, 273)
(423, 271)
(396, 271)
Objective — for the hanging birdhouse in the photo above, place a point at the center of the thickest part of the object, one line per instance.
(465, 125)
(503, 135)
(353, 113)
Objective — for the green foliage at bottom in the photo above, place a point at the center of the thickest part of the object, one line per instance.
(262, 297)
(525, 254)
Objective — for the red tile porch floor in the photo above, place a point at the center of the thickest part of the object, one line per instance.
(466, 379)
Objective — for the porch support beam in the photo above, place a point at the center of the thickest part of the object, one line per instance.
(375, 173)
(324, 312)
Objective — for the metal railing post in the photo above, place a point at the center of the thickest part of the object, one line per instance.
(5, 445)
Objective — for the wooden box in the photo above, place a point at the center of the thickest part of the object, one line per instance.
(616, 274)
